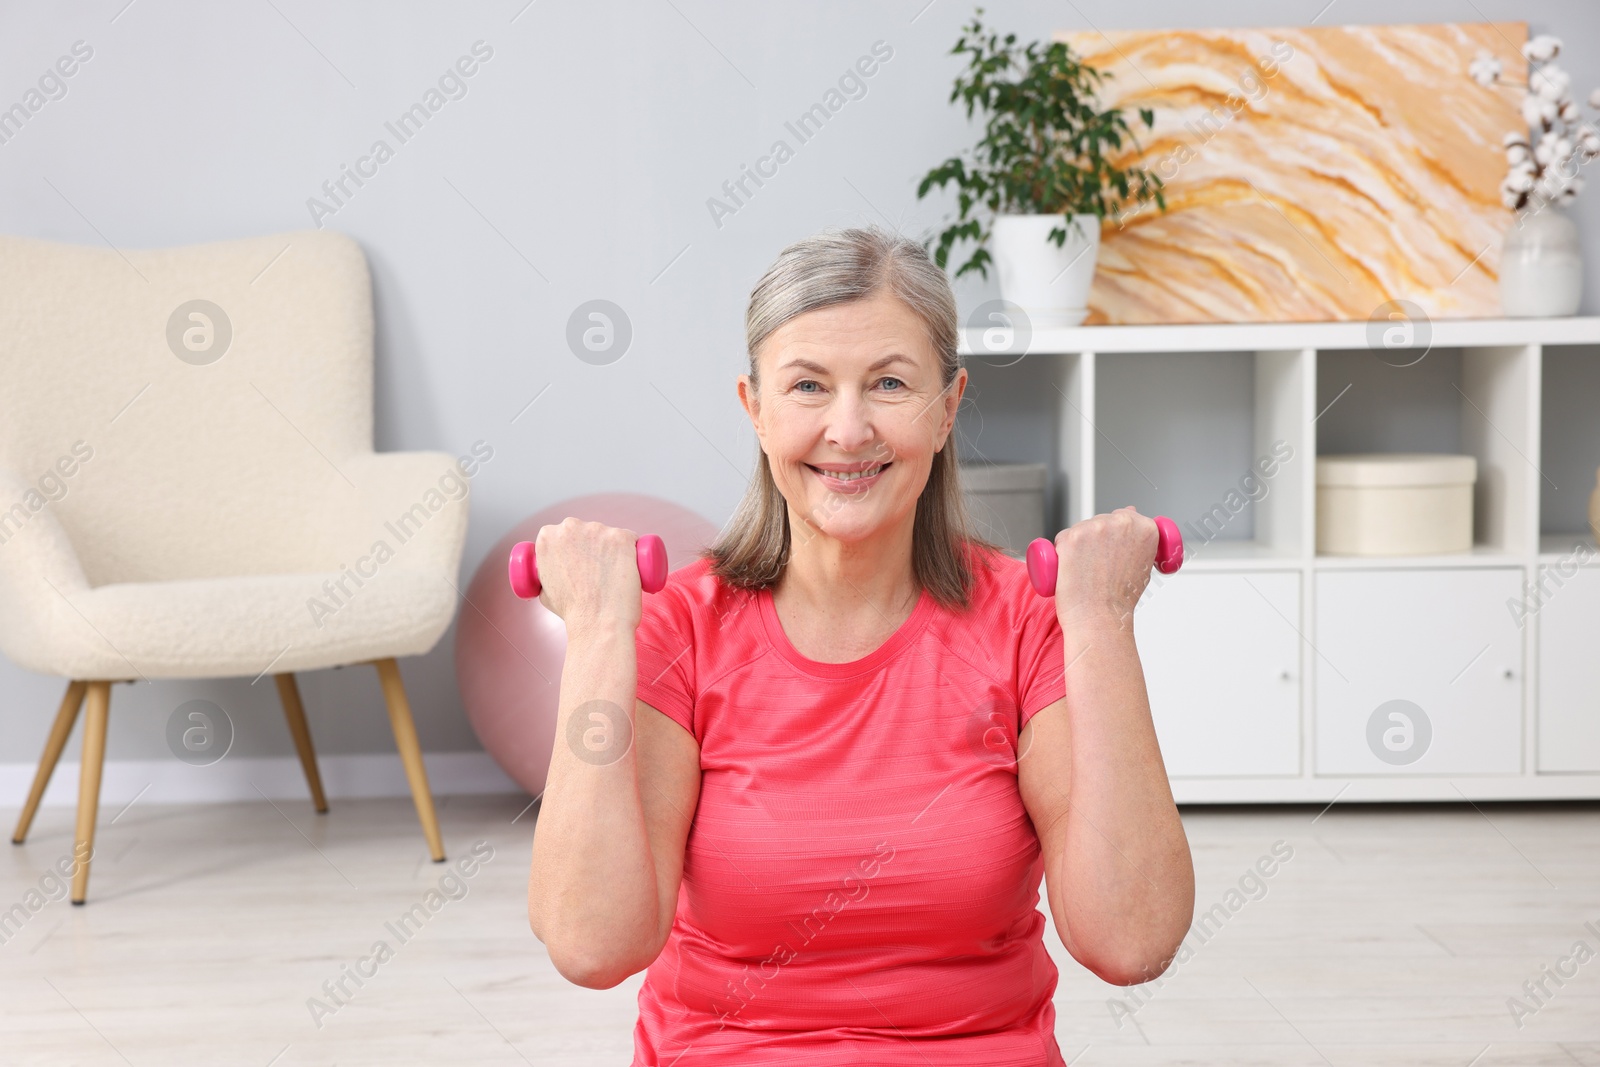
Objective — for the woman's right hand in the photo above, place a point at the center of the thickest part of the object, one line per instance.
(589, 574)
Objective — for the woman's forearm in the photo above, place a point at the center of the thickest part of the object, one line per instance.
(1127, 876)
(592, 889)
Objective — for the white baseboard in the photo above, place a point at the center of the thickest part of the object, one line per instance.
(169, 781)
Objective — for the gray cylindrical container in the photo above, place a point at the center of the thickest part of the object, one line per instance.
(1006, 501)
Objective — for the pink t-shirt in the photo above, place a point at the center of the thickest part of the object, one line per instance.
(861, 879)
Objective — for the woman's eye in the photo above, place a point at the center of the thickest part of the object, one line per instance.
(804, 382)
(897, 381)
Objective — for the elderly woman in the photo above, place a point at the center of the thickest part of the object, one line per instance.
(813, 784)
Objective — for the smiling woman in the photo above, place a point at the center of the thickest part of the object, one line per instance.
(849, 767)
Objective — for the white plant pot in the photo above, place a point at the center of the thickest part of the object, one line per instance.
(1050, 284)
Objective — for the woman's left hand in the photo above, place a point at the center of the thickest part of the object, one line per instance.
(1103, 567)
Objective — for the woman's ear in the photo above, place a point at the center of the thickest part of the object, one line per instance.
(750, 399)
(952, 401)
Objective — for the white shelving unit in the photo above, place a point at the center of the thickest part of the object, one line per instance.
(1267, 663)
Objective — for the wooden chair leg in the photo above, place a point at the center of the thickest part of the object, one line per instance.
(405, 739)
(94, 754)
(295, 712)
(71, 701)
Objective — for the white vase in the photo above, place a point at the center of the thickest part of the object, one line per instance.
(1541, 270)
(1050, 284)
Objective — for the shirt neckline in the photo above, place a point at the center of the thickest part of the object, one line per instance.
(898, 640)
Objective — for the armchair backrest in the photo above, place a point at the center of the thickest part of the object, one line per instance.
(183, 412)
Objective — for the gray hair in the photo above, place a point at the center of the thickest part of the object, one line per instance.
(838, 267)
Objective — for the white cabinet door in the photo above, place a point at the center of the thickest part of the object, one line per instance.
(1569, 671)
(1221, 656)
(1418, 672)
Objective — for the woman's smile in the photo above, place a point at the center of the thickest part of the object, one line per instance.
(841, 479)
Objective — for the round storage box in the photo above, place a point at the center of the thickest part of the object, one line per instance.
(1395, 503)
(1006, 502)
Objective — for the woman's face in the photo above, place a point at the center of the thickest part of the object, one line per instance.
(850, 388)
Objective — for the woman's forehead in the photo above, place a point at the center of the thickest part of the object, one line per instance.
(848, 336)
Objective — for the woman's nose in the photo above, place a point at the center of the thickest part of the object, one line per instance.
(849, 424)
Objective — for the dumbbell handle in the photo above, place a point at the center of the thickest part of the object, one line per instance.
(652, 553)
(1043, 563)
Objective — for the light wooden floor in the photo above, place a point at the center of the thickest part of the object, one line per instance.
(1393, 936)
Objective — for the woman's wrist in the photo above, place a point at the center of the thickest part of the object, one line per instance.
(601, 630)
(1090, 620)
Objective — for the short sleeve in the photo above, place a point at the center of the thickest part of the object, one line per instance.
(1041, 657)
(664, 645)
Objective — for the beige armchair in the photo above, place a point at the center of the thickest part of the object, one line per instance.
(188, 487)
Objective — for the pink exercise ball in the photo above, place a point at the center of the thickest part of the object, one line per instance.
(509, 650)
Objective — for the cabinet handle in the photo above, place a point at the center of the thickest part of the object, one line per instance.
(1284, 674)
(1508, 672)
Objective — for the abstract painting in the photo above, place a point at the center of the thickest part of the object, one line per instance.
(1312, 174)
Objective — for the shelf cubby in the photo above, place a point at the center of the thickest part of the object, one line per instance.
(1473, 400)
(1569, 446)
(1213, 439)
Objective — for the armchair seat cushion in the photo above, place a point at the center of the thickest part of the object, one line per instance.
(220, 627)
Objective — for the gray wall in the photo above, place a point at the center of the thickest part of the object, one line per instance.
(577, 166)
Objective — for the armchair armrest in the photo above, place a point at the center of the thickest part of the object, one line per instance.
(414, 503)
(39, 569)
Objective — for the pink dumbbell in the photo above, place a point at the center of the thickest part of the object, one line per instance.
(1043, 564)
(652, 567)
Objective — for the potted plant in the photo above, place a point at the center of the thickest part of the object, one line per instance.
(1041, 170)
(1541, 272)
